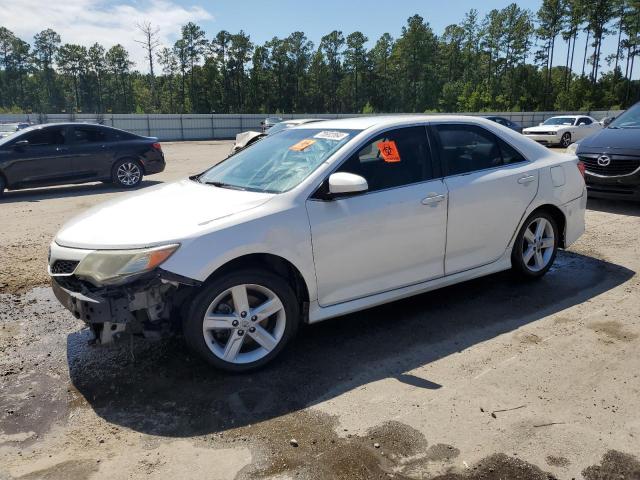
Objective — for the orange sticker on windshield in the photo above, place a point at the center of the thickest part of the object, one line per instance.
(389, 151)
(302, 144)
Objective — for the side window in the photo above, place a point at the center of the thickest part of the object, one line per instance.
(395, 158)
(119, 135)
(88, 135)
(467, 148)
(509, 154)
(584, 121)
(46, 136)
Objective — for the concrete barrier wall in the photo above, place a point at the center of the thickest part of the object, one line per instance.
(218, 126)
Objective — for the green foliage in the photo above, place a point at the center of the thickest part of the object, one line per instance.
(368, 108)
(512, 59)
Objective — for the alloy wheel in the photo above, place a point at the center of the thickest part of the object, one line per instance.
(244, 323)
(538, 245)
(129, 174)
(566, 140)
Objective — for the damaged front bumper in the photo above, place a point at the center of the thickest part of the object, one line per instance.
(145, 306)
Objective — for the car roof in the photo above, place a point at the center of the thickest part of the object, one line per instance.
(568, 116)
(300, 121)
(382, 121)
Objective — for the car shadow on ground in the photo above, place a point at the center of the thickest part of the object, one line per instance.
(46, 193)
(168, 391)
(620, 207)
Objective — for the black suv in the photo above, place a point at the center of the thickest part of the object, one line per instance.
(64, 153)
(612, 158)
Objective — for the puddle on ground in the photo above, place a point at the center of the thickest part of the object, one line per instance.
(390, 450)
(555, 461)
(29, 406)
(614, 465)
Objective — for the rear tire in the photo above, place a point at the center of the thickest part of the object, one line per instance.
(127, 173)
(3, 185)
(242, 320)
(536, 246)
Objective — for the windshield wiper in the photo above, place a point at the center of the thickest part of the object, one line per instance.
(224, 185)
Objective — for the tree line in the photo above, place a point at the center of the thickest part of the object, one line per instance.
(512, 59)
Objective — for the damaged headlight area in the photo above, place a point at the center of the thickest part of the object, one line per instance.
(112, 267)
(124, 291)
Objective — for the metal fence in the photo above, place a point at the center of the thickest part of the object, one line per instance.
(218, 126)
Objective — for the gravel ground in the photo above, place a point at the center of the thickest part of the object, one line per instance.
(485, 380)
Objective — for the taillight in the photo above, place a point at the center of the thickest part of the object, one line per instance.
(581, 167)
(157, 146)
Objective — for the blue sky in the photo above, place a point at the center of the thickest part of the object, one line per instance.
(265, 19)
(114, 21)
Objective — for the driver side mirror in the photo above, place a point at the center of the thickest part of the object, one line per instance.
(608, 120)
(343, 183)
(21, 144)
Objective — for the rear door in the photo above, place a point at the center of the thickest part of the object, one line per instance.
(91, 151)
(490, 186)
(45, 160)
(391, 236)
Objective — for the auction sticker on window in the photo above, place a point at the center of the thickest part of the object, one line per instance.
(389, 151)
(327, 135)
(302, 144)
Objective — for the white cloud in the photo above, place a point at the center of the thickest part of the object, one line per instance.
(106, 22)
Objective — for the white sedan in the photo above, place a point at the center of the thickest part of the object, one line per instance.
(318, 221)
(563, 130)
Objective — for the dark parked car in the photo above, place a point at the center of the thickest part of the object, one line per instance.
(612, 157)
(505, 122)
(64, 153)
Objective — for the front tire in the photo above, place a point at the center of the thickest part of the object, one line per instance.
(3, 185)
(242, 320)
(565, 141)
(127, 173)
(536, 246)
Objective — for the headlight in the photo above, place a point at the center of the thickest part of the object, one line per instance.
(573, 148)
(105, 267)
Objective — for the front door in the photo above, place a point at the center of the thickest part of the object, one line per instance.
(490, 187)
(391, 236)
(44, 160)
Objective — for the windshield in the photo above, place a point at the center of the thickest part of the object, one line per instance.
(560, 121)
(278, 162)
(628, 119)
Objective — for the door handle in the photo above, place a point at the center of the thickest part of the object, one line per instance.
(433, 199)
(62, 149)
(526, 179)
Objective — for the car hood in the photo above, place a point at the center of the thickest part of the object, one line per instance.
(157, 215)
(546, 128)
(610, 139)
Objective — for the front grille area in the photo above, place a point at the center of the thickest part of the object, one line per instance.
(539, 133)
(618, 165)
(64, 267)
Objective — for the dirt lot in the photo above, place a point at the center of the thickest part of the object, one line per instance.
(488, 379)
